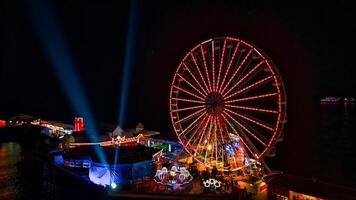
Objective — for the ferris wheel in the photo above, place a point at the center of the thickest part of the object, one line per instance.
(227, 103)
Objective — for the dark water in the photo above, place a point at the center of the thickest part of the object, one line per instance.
(336, 144)
(18, 179)
(10, 185)
(328, 153)
(320, 144)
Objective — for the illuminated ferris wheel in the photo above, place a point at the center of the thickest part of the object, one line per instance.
(227, 103)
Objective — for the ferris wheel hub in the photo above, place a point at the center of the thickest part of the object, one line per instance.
(214, 104)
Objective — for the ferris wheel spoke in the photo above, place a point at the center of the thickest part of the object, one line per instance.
(208, 140)
(231, 140)
(235, 151)
(252, 97)
(245, 129)
(213, 63)
(190, 116)
(242, 139)
(220, 65)
(206, 68)
(229, 66)
(188, 92)
(191, 85)
(202, 133)
(200, 74)
(215, 143)
(256, 133)
(253, 109)
(188, 100)
(251, 119)
(191, 124)
(220, 131)
(195, 78)
(244, 77)
(188, 108)
(237, 70)
(222, 141)
(250, 87)
(201, 124)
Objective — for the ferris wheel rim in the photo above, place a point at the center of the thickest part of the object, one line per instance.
(277, 80)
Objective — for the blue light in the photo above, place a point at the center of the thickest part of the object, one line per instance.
(116, 155)
(130, 43)
(43, 17)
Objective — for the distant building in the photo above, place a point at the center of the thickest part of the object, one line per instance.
(21, 119)
(139, 127)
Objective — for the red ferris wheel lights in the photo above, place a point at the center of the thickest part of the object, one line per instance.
(229, 65)
(252, 97)
(188, 100)
(260, 82)
(205, 67)
(191, 85)
(234, 130)
(223, 93)
(202, 133)
(215, 141)
(220, 65)
(188, 108)
(213, 63)
(237, 70)
(201, 75)
(208, 140)
(220, 130)
(244, 77)
(198, 129)
(190, 116)
(188, 92)
(245, 116)
(225, 128)
(250, 108)
(191, 124)
(245, 129)
(195, 79)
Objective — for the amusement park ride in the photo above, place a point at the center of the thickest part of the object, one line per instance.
(228, 105)
(228, 108)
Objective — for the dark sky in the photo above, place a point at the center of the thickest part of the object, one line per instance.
(311, 44)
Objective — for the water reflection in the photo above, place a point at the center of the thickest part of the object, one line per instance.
(10, 185)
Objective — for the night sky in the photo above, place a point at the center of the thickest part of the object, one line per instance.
(310, 43)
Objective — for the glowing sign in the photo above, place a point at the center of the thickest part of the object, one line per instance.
(78, 124)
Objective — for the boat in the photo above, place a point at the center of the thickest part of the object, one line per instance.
(330, 100)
